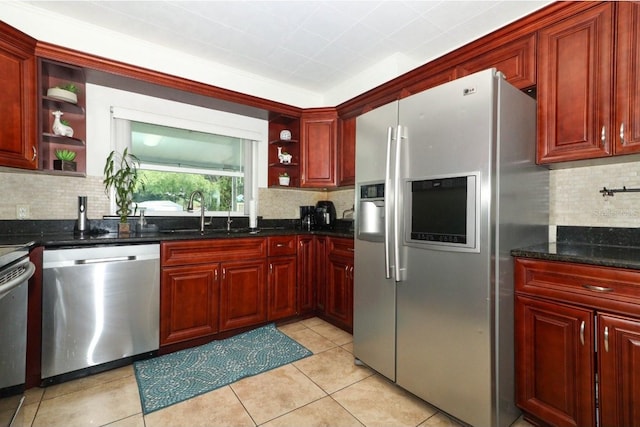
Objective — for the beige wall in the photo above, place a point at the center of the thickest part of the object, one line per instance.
(574, 197)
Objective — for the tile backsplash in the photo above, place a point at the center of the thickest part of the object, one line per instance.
(575, 200)
(574, 197)
(56, 197)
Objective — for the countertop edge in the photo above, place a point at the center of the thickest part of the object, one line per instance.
(590, 254)
(69, 239)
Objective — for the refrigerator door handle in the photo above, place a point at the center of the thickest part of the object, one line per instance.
(387, 204)
(396, 206)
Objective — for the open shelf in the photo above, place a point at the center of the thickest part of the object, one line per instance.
(51, 74)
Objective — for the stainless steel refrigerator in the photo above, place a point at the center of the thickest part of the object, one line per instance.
(446, 186)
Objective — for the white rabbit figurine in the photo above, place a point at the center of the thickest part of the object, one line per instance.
(59, 128)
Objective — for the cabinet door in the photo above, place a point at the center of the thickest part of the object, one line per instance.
(619, 367)
(339, 302)
(347, 149)
(319, 133)
(188, 302)
(627, 124)
(554, 355)
(321, 248)
(281, 293)
(306, 274)
(243, 294)
(516, 60)
(18, 106)
(575, 62)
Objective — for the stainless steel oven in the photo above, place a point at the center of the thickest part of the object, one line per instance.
(15, 272)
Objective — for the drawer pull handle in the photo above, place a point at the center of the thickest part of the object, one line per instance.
(582, 333)
(597, 288)
(280, 245)
(606, 339)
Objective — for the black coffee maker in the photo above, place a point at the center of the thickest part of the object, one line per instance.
(308, 217)
(325, 215)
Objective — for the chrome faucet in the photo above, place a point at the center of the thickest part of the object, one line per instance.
(190, 207)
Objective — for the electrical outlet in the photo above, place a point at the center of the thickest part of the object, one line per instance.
(22, 211)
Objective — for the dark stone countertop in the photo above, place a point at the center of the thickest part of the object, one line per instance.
(600, 246)
(57, 233)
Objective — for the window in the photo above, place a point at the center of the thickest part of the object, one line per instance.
(176, 161)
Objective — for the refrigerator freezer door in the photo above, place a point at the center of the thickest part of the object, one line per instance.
(374, 319)
(444, 335)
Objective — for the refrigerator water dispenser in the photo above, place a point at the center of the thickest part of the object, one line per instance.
(371, 213)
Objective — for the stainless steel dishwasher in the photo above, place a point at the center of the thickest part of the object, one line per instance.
(99, 305)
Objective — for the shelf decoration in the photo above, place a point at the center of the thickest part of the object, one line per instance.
(67, 92)
(284, 179)
(61, 127)
(284, 157)
(65, 160)
(285, 135)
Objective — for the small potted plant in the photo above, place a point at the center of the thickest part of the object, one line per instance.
(65, 160)
(284, 179)
(121, 175)
(66, 92)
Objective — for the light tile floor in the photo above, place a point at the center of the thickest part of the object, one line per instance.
(325, 389)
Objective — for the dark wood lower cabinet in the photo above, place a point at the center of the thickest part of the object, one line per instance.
(243, 294)
(306, 273)
(577, 344)
(189, 302)
(281, 294)
(555, 362)
(213, 287)
(619, 368)
(339, 283)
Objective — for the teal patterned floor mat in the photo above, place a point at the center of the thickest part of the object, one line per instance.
(175, 377)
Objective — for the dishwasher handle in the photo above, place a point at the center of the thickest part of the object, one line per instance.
(16, 281)
(103, 260)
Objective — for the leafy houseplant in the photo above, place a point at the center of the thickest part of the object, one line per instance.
(121, 174)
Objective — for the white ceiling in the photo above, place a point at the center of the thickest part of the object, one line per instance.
(314, 45)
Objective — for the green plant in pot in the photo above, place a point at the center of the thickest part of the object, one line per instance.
(65, 160)
(121, 174)
(65, 91)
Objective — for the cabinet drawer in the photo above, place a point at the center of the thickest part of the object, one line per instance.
(340, 246)
(186, 252)
(281, 245)
(614, 289)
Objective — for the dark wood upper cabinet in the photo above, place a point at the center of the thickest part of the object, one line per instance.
(627, 125)
(515, 59)
(347, 152)
(575, 84)
(318, 148)
(18, 141)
